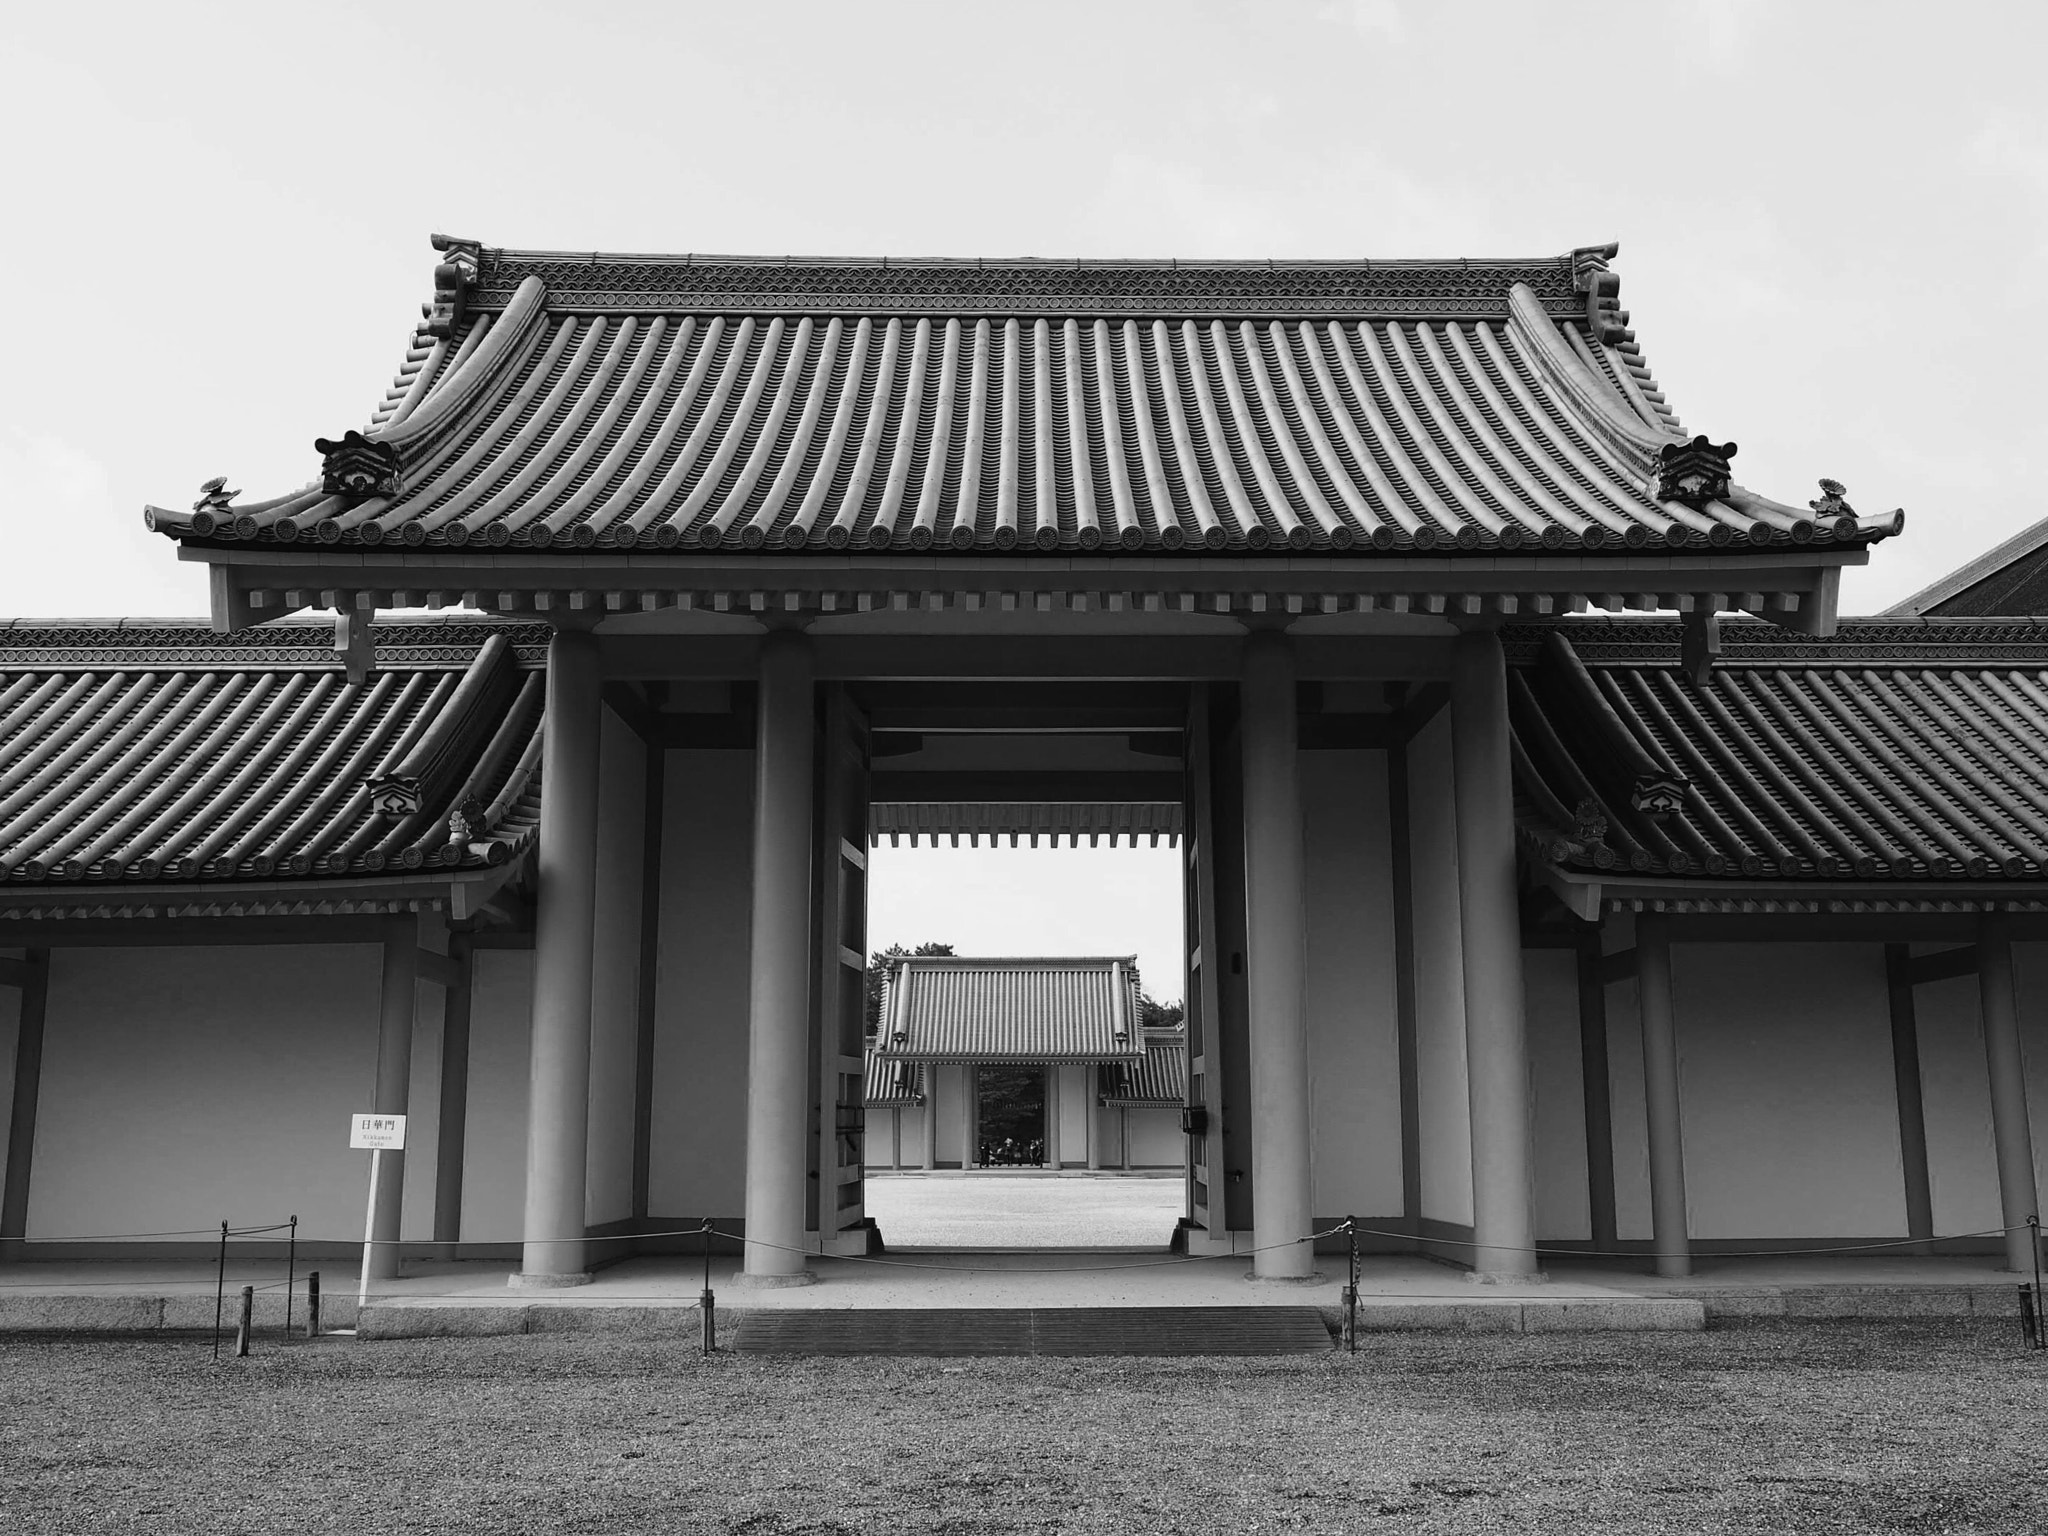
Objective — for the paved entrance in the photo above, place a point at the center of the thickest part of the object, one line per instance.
(947, 1331)
(982, 1210)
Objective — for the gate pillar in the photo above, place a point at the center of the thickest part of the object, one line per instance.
(778, 1021)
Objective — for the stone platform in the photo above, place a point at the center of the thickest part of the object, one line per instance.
(659, 1295)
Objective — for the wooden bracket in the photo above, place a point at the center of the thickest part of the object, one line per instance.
(1701, 647)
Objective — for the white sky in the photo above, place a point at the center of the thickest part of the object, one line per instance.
(1034, 901)
(1833, 214)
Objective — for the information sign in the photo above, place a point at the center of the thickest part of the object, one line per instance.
(376, 1133)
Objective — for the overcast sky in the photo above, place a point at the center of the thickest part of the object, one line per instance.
(1833, 214)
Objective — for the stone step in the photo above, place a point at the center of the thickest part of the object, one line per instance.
(1033, 1331)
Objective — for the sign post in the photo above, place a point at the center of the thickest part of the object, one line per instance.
(379, 1134)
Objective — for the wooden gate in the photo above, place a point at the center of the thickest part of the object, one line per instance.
(837, 1208)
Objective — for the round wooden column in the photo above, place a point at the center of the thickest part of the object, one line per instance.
(1660, 1095)
(1496, 1049)
(778, 1017)
(2011, 1135)
(558, 1106)
(401, 972)
(1275, 962)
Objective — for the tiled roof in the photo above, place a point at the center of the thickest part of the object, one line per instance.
(893, 1082)
(2010, 578)
(156, 752)
(571, 401)
(1895, 751)
(952, 1008)
(1161, 1078)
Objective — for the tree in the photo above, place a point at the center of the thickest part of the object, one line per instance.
(879, 966)
(1153, 1014)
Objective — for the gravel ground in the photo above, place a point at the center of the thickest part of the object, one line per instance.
(1863, 1427)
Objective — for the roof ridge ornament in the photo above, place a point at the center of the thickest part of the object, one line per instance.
(454, 279)
(356, 467)
(1694, 473)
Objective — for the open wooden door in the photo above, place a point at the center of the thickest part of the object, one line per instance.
(1199, 1119)
(838, 1000)
(1217, 1116)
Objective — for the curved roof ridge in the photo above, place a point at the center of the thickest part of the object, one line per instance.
(1056, 263)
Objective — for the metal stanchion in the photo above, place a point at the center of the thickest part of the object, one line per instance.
(2030, 1325)
(313, 1304)
(220, 1288)
(291, 1265)
(245, 1322)
(1351, 1289)
(706, 1301)
(2034, 1229)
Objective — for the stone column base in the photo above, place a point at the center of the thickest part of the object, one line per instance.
(1505, 1277)
(525, 1282)
(1313, 1277)
(774, 1282)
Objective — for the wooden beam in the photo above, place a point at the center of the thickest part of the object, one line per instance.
(442, 970)
(1942, 965)
(28, 1086)
(142, 932)
(995, 785)
(1618, 966)
(451, 1138)
(1596, 1090)
(1911, 1100)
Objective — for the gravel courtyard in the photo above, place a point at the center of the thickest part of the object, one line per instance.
(1024, 1210)
(1809, 1427)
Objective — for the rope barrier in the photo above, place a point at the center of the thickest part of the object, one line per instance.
(1174, 1261)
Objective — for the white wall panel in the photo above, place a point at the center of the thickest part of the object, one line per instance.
(615, 985)
(500, 1072)
(1790, 1114)
(1558, 1094)
(1353, 1031)
(701, 985)
(1443, 1111)
(186, 1086)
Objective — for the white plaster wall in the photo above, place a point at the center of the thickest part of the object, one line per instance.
(951, 1092)
(1443, 1108)
(615, 984)
(1955, 1099)
(1156, 1139)
(1789, 1110)
(1550, 991)
(1353, 1031)
(698, 1140)
(184, 1086)
(1073, 1110)
(500, 1070)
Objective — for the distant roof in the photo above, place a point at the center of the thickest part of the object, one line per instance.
(1161, 1078)
(157, 754)
(585, 401)
(968, 1008)
(2010, 579)
(1898, 750)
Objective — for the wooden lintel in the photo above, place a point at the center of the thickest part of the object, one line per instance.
(142, 932)
(1421, 708)
(1620, 965)
(630, 705)
(911, 786)
(440, 969)
(1941, 965)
